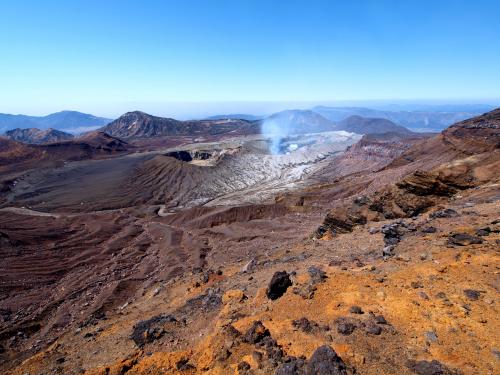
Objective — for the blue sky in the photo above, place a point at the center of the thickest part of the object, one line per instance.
(107, 57)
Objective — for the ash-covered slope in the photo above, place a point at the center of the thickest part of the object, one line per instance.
(37, 136)
(142, 125)
(18, 157)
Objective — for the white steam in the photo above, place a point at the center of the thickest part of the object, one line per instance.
(276, 130)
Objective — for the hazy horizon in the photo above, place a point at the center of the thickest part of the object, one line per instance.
(194, 110)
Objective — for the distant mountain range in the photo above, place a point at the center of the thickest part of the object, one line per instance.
(433, 119)
(142, 125)
(369, 125)
(420, 118)
(37, 136)
(234, 116)
(69, 121)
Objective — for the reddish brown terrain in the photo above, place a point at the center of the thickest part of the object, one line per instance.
(372, 255)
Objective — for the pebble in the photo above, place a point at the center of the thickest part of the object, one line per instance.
(356, 310)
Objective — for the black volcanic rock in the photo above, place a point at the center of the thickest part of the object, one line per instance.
(325, 361)
(37, 136)
(256, 333)
(278, 285)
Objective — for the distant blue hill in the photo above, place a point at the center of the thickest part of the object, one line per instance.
(239, 116)
(423, 118)
(69, 121)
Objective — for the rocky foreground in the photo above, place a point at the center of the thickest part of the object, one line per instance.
(387, 263)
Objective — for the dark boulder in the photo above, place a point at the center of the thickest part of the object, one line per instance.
(305, 325)
(471, 294)
(278, 285)
(430, 368)
(446, 213)
(256, 333)
(464, 239)
(345, 327)
(325, 361)
(150, 330)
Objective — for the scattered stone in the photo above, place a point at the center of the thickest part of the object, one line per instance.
(305, 291)
(429, 230)
(231, 332)
(423, 295)
(356, 310)
(292, 366)
(256, 333)
(209, 301)
(416, 284)
(392, 234)
(305, 325)
(362, 200)
(431, 336)
(441, 295)
(372, 328)
(345, 327)
(483, 231)
(463, 239)
(278, 285)
(472, 294)
(147, 331)
(184, 365)
(388, 251)
(249, 266)
(243, 366)
(379, 319)
(325, 361)
(430, 368)
(317, 274)
(446, 213)
(374, 230)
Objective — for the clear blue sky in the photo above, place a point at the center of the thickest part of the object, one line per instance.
(109, 56)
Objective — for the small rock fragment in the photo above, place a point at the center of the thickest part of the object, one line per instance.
(355, 310)
(429, 230)
(472, 294)
(446, 213)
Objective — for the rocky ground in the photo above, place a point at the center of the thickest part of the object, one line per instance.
(387, 268)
